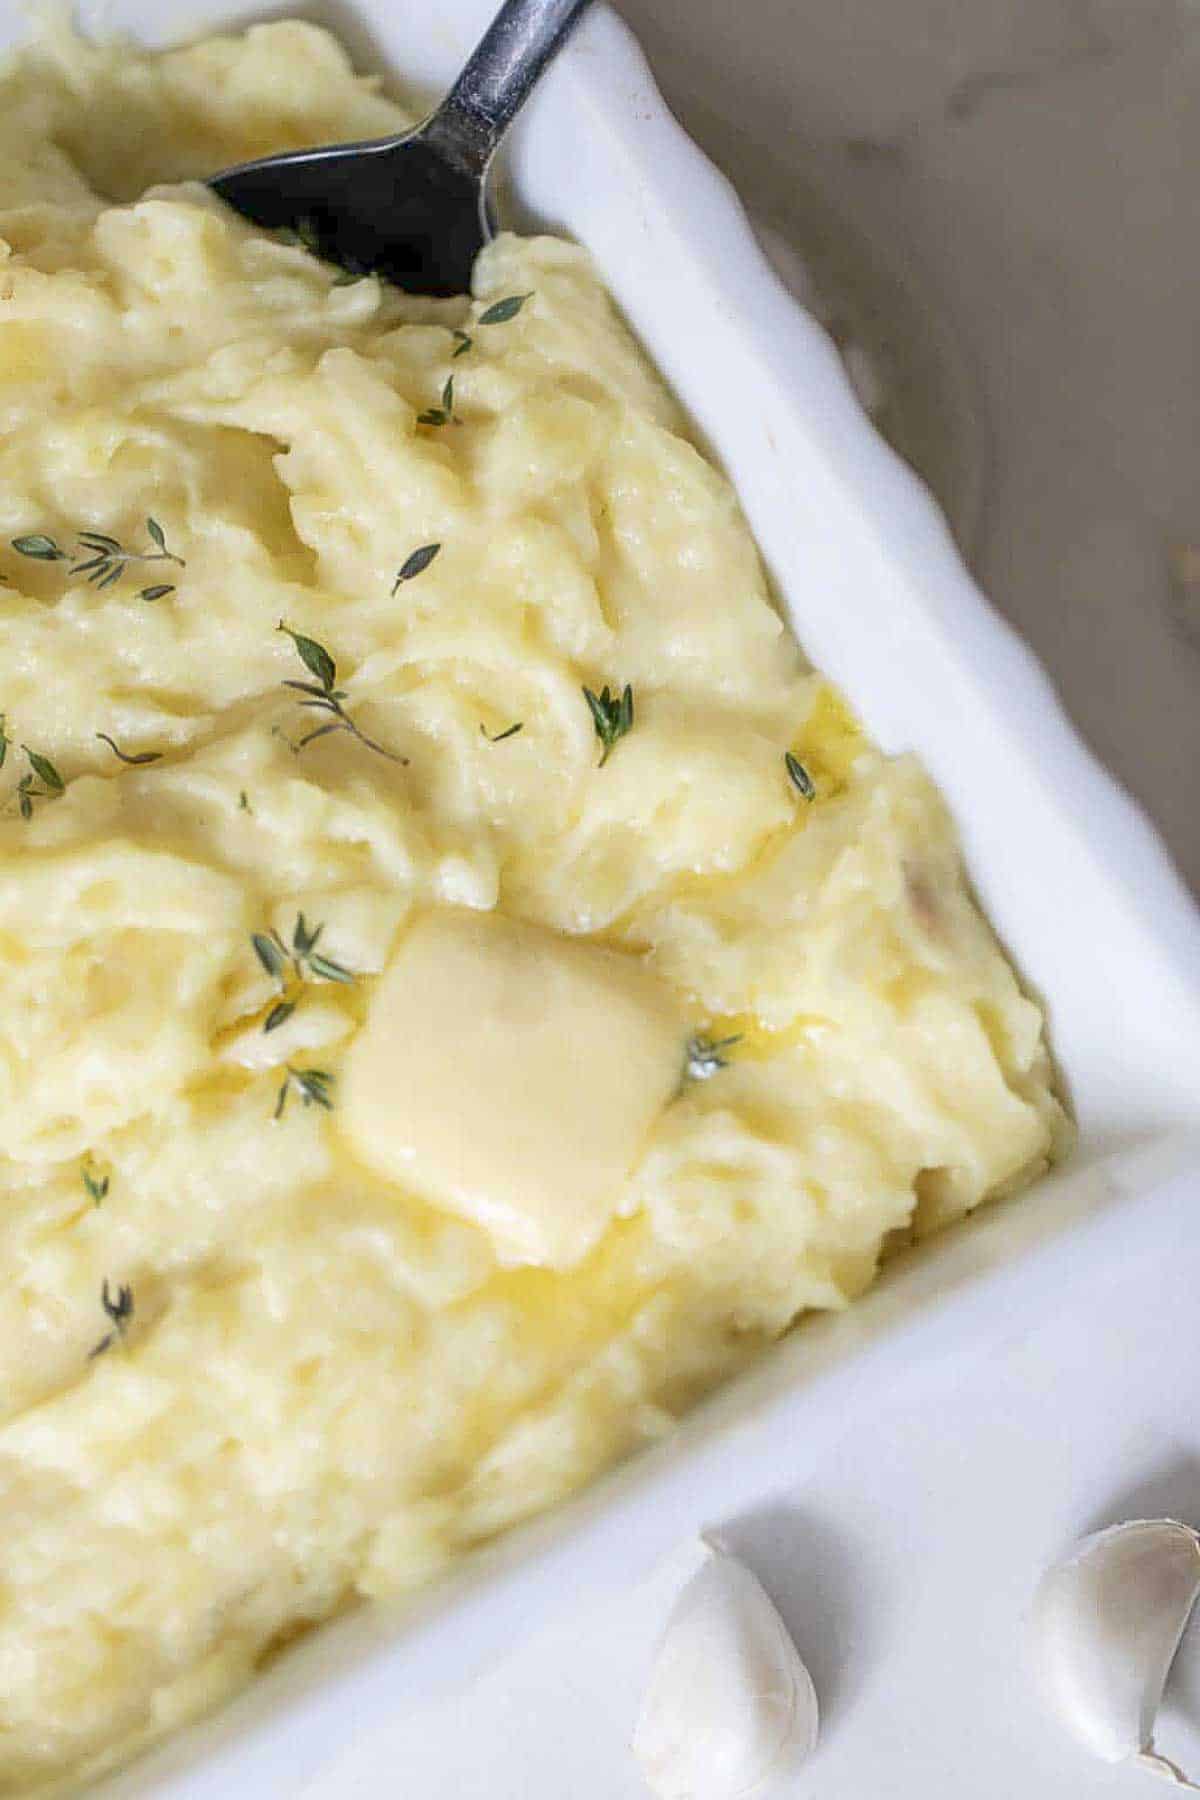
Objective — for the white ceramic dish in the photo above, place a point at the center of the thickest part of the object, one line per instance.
(1067, 868)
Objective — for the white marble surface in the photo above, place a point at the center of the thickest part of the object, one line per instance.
(1029, 169)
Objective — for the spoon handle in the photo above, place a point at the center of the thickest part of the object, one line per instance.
(498, 76)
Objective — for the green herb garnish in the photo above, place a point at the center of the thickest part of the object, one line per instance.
(96, 1186)
(135, 761)
(279, 1014)
(43, 770)
(305, 961)
(325, 696)
(501, 311)
(268, 947)
(313, 1086)
(40, 547)
(120, 1311)
(443, 414)
(501, 735)
(463, 340)
(306, 955)
(611, 715)
(101, 558)
(4, 741)
(705, 1057)
(243, 802)
(799, 776)
(415, 564)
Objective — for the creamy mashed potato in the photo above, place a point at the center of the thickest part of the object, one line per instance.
(327, 1259)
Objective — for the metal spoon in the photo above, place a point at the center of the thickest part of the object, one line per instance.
(412, 208)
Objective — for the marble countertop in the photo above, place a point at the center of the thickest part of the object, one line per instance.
(1022, 176)
(1004, 190)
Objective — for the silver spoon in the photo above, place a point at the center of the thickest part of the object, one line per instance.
(412, 208)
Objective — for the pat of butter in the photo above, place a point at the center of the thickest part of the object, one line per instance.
(511, 1075)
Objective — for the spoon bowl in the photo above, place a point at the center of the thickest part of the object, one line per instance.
(413, 208)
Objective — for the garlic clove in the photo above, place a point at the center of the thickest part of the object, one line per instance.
(729, 1703)
(1105, 1627)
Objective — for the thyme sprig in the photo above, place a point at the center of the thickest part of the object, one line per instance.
(312, 1085)
(324, 695)
(42, 770)
(100, 558)
(612, 715)
(119, 1310)
(705, 1057)
(304, 957)
(295, 964)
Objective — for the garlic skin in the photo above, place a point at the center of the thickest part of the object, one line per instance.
(1105, 1627)
(729, 1703)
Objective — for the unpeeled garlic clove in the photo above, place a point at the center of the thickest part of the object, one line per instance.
(1106, 1624)
(729, 1703)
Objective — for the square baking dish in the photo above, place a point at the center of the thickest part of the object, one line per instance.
(1069, 871)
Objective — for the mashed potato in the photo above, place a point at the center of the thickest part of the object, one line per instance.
(399, 1125)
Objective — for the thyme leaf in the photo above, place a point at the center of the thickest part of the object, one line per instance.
(326, 969)
(279, 1014)
(315, 658)
(501, 735)
(270, 953)
(799, 776)
(612, 715)
(135, 761)
(4, 741)
(463, 340)
(503, 310)
(302, 938)
(42, 548)
(45, 770)
(416, 564)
